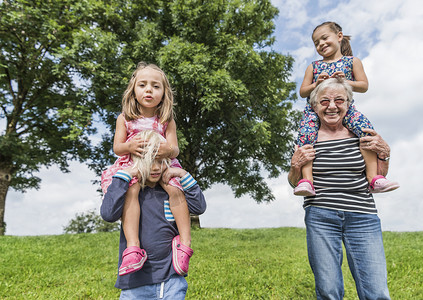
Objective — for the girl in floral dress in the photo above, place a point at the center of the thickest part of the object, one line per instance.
(337, 61)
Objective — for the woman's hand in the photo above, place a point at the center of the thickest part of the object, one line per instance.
(302, 156)
(375, 143)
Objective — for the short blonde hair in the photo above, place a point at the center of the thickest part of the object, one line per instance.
(131, 107)
(145, 163)
(331, 83)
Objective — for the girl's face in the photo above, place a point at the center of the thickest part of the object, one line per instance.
(327, 42)
(149, 90)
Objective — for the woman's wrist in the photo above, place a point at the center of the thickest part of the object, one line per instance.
(384, 154)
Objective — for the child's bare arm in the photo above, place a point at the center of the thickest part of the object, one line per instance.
(308, 85)
(120, 146)
(360, 83)
(169, 149)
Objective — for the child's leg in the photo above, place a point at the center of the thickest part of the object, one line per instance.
(181, 251)
(133, 258)
(307, 134)
(370, 159)
(355, 121)
(131, 216)
(307, 171)
(305, 186)
(179, 208)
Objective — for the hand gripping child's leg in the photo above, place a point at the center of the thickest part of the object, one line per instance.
(133, 258)
(377, 183)
(355, 121)
(181, 251)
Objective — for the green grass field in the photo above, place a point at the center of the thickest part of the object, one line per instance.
(227, 264)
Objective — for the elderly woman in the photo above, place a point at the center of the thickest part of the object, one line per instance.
(343, 210)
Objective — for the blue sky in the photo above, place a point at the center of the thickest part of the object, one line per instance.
(385, 37)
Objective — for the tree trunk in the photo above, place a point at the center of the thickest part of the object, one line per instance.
(5, 178)
(195, 221)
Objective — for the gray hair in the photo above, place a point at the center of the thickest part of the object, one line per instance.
(331, 83)
(145, 163)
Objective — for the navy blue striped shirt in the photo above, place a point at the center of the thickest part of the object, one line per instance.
(340, 178)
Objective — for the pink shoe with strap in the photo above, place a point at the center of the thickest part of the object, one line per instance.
(380, 184)
(180, 256)
(133, 258)
(304, 188)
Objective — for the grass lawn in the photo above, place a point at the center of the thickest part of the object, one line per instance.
(227, 264)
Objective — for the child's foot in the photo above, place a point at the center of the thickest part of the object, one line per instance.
(133, 258)
(380, 184)
(181, 255)
(304, 188)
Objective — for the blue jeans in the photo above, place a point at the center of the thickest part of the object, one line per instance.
(361, 234)
(173, 289)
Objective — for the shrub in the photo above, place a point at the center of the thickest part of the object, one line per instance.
(90, 222)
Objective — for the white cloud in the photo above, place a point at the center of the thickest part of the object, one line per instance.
(47, 210)
(292, 12)
(401, 210)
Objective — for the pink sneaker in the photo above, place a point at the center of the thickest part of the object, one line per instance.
(380, 184)
(304, 188)
(181, 255)
(133, 258)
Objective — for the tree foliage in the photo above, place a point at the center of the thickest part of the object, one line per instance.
(63, 60)
(234, 99)
(45, 111)
(89, 222)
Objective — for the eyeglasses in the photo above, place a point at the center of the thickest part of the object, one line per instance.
(326, 102)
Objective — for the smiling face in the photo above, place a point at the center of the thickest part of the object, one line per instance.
(149, 90)
(327, 42)
(331, 106)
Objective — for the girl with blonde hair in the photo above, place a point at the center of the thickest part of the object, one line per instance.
(147, 104)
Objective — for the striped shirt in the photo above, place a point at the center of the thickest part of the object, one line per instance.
(339, 177)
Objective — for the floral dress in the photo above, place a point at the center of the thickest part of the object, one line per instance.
(354, 120)
(132, 129)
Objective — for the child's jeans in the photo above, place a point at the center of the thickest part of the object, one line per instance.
(173, 289)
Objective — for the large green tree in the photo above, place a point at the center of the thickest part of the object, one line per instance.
(45, 110)
(234, 99)
(62, 60)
